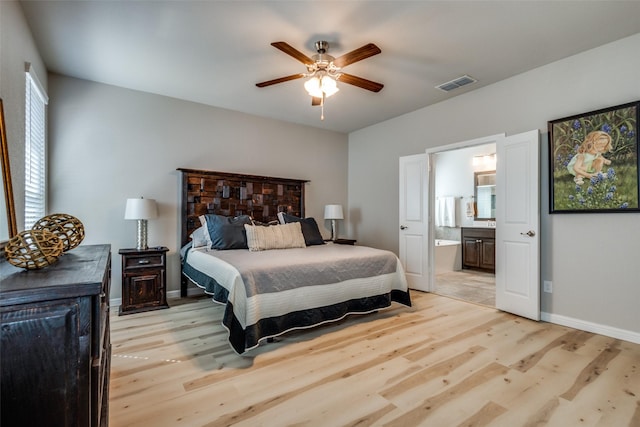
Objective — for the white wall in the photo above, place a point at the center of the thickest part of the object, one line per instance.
(592, 259)
(108, 144)
(16, 48)
(454, 176)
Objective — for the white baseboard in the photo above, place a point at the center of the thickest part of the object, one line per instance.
(191, 291)
(596, 328)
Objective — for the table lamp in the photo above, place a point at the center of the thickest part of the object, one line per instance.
(141, 209)
(333, 212)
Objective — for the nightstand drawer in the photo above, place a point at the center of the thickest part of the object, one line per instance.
(143, 261)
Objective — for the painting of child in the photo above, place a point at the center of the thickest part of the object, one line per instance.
(589, 159)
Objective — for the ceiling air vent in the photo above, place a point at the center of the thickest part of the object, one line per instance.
(456, 83)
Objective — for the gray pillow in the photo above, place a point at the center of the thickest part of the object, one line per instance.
(226, 232)
(310, 229)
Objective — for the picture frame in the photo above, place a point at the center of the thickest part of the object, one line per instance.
(593, 161)
(6, 180)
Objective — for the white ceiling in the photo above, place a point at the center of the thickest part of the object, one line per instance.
(213, 52)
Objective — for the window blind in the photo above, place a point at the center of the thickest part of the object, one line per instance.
(35, 150)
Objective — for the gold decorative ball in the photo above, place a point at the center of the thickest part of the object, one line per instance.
(68, 228)
(33, 249)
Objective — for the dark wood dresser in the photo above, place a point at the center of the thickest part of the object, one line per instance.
(54, 345)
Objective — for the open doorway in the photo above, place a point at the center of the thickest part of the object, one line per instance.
(464, 223)
(517, 224)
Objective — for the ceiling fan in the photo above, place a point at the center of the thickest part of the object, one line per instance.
(323, 70)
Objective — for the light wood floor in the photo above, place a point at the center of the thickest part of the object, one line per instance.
(442, 362)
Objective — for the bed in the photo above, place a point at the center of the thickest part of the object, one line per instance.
(263, 297)
(277, 278)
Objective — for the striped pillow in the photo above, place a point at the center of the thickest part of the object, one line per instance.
(283, 236)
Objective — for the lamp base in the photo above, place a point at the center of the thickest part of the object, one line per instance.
(142, 235)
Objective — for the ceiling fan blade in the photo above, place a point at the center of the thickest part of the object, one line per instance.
(291, 51)
(315, 101)
(359, 54)
(360, 82)
(280, 80)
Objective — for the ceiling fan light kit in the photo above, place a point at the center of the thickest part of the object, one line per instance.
(321, 86)
(324, 71)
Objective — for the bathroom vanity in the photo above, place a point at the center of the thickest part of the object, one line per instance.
(479, 248)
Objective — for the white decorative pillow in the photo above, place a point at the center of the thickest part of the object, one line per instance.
(199, 238)
(283, 236)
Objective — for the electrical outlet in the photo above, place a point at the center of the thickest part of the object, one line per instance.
(547, 286)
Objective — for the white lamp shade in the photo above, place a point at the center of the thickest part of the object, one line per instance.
(317, 85)
(333, 212)
(329, 86)
(313, 87)
(141, 209)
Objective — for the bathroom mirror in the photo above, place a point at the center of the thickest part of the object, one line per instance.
(485, 195)
(8, 225)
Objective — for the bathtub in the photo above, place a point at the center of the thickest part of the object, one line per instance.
(447, 255)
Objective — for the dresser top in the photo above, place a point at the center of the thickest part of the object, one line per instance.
(78, 272)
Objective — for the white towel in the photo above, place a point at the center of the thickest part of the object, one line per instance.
(445, 212)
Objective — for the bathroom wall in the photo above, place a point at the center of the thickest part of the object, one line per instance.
(454, 171)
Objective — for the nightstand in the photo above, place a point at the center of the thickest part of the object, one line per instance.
(144, 279)
(345, 242)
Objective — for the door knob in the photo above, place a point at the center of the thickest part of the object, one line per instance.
(403, 227)
(529, 233)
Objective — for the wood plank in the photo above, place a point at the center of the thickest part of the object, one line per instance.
(419, 414)
(440, 369)
(484, 416)
(592, 371)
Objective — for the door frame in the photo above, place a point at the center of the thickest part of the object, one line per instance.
(430, 199)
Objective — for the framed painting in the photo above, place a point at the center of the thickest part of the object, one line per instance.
(11, 227)
(593, 161)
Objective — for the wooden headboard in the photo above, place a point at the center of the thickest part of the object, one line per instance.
(231, 194)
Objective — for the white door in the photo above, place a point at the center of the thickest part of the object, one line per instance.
(518, 225)
(413, 220)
